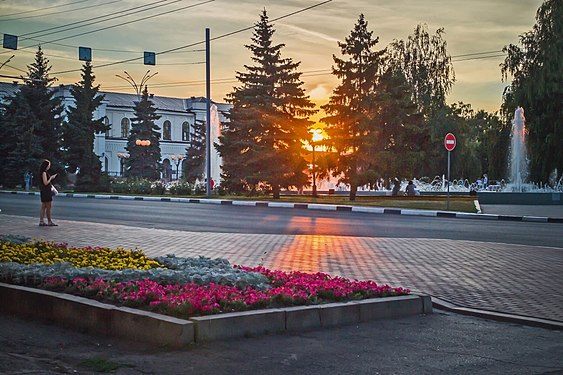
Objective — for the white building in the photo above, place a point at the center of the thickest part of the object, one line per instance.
(177, 119)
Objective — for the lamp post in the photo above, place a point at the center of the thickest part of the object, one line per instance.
(316, 136)
(122, 157)
(177, 159)
(137, 87)
(142, 143)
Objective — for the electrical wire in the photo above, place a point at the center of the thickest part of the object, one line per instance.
(56, 12)
(41, 9)
(201, 42)
(88, 22)
(121, 24)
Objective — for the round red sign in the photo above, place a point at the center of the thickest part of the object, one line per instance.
(449, 141)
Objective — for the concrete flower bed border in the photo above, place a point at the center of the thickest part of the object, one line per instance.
(91, 316)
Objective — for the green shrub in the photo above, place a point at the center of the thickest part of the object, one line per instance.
(138, 185)
(180, 188)
(157, 188)
(200, 189)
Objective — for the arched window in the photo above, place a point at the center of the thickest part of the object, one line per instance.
(125, 127)
(167, 131)
(108, 126)
(185, 131)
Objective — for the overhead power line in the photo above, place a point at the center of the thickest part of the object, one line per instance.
(309, 73)
(57, 12)
(88, 21)
(120, 24)
(478, 58)
(42, 9)
(201, 42)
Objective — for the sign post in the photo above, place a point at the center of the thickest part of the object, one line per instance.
(449, 143)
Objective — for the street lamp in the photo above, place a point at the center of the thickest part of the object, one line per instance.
(143, 143)
(122, 157)
(177, 160)
(316, 136)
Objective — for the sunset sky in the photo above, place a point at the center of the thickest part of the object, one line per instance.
(475, 31)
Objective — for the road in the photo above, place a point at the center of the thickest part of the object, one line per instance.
(195, 217)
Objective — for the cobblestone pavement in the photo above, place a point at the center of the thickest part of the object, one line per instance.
(513, 279)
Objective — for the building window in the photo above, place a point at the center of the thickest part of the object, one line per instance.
(167, 131)
(108, 126)
(125, 128)
(185, 131)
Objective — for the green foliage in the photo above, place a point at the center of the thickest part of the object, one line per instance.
(194, 162)
(262, 142)
(399, 135)
(136, 185)
(144, 161)
(79, 132)
(350, 114)
(103, 365)
(427, 67)
(200, 189)
(180, 188)
(30, 126)
(537, 86)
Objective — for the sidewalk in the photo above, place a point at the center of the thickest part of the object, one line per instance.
(495, 277)
(553, 211)
(520, 280)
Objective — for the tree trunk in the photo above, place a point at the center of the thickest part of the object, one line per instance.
(353, 190)
(276, 191)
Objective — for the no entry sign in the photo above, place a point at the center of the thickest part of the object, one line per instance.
(449, 141)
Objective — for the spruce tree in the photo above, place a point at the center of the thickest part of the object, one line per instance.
(398, 136)
(261, 146)
(350, 113)
(194, 162)
(144, 160)
(31, 126)
(80, 129)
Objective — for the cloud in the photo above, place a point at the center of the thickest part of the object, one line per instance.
(301, 32)
(319, 92)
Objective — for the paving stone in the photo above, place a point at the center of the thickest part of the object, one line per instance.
(513, 279)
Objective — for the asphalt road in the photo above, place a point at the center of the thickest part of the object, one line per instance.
(196, 217)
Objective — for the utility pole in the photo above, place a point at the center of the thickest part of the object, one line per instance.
(208, 114)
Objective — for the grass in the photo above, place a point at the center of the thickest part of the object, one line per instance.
(419, 202)
(102, 365)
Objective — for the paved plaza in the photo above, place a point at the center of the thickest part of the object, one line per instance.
(512, 279)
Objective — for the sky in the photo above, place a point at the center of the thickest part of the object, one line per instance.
(475, 32)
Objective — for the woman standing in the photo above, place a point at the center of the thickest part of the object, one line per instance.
(46, 194)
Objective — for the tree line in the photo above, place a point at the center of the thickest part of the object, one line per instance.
(387, 116)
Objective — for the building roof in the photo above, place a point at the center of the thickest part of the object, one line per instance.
(117, 99)
(163, 103)
(8, 89)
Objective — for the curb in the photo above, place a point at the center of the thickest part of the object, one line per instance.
(498, 316)
(316, 206)
(129, 324)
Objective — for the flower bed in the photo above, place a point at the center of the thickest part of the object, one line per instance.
(180, 287)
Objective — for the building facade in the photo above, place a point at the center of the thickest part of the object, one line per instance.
(177, 118)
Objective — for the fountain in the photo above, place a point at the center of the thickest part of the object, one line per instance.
(517, 190)
(216, 160)
(518, 164)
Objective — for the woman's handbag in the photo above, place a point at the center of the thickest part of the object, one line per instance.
(54, 191)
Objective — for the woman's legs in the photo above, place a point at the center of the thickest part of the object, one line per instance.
(48, 212)
(42, 213)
